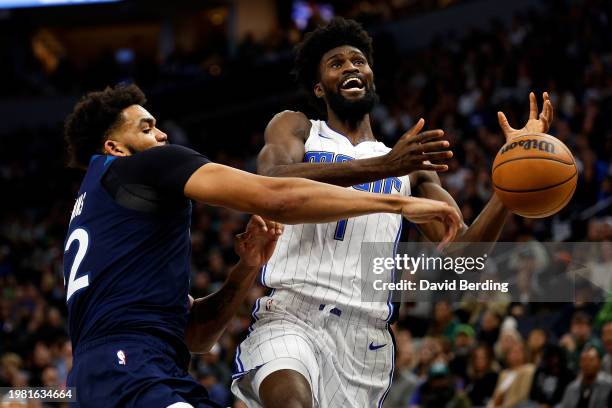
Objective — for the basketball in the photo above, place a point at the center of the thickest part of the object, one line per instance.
(535, 175)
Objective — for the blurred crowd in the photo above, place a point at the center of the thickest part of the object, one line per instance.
(500, 354)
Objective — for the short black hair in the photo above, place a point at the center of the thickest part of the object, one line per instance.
(93, 117)
(337, 33)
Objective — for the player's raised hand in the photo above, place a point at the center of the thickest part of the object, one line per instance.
(256, 245)
(537, 123)
(423, 210)
(416, 150)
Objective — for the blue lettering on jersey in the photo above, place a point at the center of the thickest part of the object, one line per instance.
(385, 186)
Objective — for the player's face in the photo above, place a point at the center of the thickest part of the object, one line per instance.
(346, 82)
(137, 132)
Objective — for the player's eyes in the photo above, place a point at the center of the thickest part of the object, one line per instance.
(336, 65)
(148, 130)
(359, 62)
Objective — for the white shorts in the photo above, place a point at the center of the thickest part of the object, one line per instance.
(347, 358)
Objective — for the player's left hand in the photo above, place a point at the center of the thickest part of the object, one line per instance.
(536, 123)
(256, 245)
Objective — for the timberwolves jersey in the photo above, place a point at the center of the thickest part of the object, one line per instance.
(125, 271)
(321, 263)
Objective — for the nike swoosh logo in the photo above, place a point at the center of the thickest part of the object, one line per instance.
(324, 137)
(377, 346)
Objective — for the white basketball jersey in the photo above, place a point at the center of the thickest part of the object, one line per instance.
(321, 263)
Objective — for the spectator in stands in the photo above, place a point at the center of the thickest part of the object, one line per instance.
(430, 349)
(489, 327)
(592, 388)
(551, 377)
(463, 343)
(508, 338)
(439, 390)
(444, 321)
(514, 382)
(536, 342)
(606, 337)
(581, 333)
(405, 382)
(482, 375)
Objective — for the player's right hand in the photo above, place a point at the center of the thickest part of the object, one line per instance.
(424, 210)
(416, 151)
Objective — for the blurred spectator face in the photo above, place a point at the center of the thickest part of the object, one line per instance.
(590, 363)
(442, 312)
(606, 337)
(580, 329)
(462, 340)
(50, 377)
(42, 355)
(345, 97)
(516, 355)
(135, 133)
(405, 349)
(490, 321)
(536, 340)
(507, 340)
(480, 359)
(430, 349)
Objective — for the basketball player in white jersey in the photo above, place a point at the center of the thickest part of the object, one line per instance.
(313, 342)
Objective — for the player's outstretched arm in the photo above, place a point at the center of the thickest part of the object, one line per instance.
(210, 315)
(298, 201)
(283, 154)
(488, 225)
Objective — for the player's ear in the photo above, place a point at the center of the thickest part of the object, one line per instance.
(115, 148)
(318, 90)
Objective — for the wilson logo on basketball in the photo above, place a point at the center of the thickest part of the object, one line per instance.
(530, 144)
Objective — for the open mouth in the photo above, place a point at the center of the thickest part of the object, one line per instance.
(352, 84)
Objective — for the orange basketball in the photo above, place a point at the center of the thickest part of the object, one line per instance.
(535, 175)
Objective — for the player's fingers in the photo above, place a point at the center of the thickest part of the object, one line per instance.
(545, 124)
(503, 123)
(410, 134)
(533, 106)
(437, 156)
(243, 236)
(434, 167)
(429, 135)
(280, 228)
(259, 222)
(547, 112)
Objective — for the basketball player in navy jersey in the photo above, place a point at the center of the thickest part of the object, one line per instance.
(320, 359)
(126, 262)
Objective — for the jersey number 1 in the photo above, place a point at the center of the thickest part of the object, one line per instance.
(82, 237)
(340, 230)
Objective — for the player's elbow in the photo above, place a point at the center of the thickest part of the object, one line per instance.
(282, 207)
(281, 203)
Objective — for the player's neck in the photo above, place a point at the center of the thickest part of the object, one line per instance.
(355, 131)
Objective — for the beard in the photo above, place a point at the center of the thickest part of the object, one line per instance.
(351, 110)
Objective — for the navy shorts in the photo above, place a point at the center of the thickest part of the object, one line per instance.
(133, 372)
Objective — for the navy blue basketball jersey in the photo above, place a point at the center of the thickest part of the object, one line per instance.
(126, 271)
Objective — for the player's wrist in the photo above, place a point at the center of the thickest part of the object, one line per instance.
(247, 265)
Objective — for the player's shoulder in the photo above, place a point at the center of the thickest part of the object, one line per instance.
(289, 123)
(154, 156)
(289, 115)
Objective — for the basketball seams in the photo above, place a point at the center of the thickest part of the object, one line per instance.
(534, 158)
(557, 208)
(537, 189)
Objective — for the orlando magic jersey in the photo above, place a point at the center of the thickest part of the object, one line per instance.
(321, 263)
